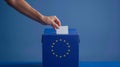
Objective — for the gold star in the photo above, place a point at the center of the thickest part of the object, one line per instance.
(52, 46)
(68, 50)
(56, 40)
(53, 43)
(68, 46)
(64, 55)
(60, 39)
(64, 41)
(53, 53)
(56, 55)
(60, 56)
(52, 50)
(67, 53)
(67, 43)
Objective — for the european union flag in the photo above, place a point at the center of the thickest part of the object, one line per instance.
(60, 50)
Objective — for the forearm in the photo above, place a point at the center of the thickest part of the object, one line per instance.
(23, 7)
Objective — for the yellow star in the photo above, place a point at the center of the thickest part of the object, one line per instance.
(68, 50)
(67, 43)
(53, 53)
(68, 46)
(60, 56)
(67, 53)
(64, 41)
(64, 55)
(56, 55)
(52, 46)
(56, 40)
(52, 50)
(60, 39)
(53, 43)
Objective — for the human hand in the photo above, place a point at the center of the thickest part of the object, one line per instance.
(51, 20)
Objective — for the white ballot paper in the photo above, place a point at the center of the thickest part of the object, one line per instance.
(62, 30)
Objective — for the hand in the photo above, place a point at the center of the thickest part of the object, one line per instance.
(51, 20)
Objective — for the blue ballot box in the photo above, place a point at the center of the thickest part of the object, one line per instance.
(60, 50)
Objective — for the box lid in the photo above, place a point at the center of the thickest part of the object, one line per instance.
(50, 31)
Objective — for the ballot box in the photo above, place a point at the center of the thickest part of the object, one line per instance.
(60, 50)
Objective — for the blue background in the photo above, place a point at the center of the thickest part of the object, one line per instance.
(97, 21)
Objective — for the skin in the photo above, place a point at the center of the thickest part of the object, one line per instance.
(23, 7)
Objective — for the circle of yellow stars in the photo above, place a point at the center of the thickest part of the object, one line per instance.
(66, 53)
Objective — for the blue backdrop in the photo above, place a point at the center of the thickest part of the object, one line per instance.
(97, 21)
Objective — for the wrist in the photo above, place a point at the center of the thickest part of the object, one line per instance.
(40, 17)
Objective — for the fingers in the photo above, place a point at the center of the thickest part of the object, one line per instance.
(57, 21)
(55, 26)
(52, 20)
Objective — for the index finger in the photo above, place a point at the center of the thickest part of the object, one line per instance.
(57, 21)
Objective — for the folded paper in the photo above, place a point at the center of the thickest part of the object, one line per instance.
(62, 30)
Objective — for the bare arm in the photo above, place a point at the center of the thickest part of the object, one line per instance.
(23, 7)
